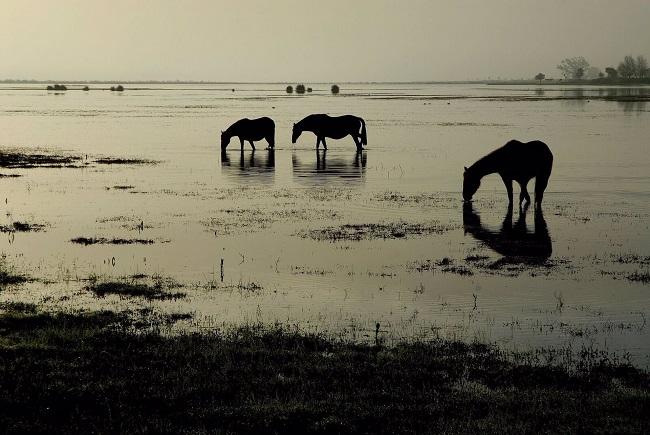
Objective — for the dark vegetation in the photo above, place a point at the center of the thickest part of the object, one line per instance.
(15, 158)
(8, 276)
(21, 227)
(118, 88)
(114, 241)
(137, 286)
(335, 89)
(393, 230)
(300, 89)
(109, 372)
(57, 87)
(289, 89)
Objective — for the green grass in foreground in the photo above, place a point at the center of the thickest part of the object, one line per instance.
(101, 373)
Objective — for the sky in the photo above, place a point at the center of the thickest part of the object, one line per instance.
(313, 41)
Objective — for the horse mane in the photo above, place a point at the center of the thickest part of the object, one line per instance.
(484, 165)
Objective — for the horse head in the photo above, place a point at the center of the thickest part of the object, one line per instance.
(295, 133)
(225, 140)
(471, 184)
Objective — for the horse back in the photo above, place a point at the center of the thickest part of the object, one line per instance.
(255, 129)
(524, 159)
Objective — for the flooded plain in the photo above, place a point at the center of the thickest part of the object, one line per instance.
(131, 187)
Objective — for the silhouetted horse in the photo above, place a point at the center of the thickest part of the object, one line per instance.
(514, 161)
(250, 130)
(511, 241)
(336, 127)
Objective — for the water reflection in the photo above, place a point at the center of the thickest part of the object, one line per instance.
(248, 165)
(325, 168)
(511, 240)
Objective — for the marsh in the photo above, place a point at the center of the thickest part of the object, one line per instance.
(223, 224)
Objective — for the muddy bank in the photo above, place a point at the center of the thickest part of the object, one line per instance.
(75, 372)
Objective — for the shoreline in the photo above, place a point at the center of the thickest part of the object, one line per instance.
(76, 372)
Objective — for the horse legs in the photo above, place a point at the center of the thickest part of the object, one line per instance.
(252, 144)
(508, 183)
(540, 187)
(241, 142)
(523, 195)
(324, 143)
(357, 142)
(271, 142)
(318, 138)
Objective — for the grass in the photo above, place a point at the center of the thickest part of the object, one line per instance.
(158, 289)
(97, 372)
(22, 227)
(8, 276)
(16, 158)
(115, 241)
(356, 232)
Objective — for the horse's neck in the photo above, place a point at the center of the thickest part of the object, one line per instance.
(229, 133)
(484, 166)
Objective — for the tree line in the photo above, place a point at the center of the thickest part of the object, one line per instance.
(578, 68)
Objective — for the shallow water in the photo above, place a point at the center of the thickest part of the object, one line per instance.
(338, 241)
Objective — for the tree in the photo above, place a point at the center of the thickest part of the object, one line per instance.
(579, 73)
(612, 73)
(601, 75)
(300, 89)
(540, 77)
(627, 68)
(289, 89)
(592, 72)
(335, 89)
(570, 67)
(641, 66)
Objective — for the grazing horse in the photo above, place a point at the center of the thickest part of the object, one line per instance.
(514, 161)
(250, 130)
(336, 127)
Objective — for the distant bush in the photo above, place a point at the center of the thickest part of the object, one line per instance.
(300, 89)
(118, 88)
(50, 88)
(289, 89)
(57, 87)
(308, 89)
(86, 88)
(335, 89)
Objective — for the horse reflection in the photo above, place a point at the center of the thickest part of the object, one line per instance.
(330, 169)
(512, 240)
(258, 164)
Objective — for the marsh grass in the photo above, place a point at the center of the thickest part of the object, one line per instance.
(22, 227)
(18, 158)
(392, 230)
(138, 286)
(9, 275)
(105, 241)
(84, 372)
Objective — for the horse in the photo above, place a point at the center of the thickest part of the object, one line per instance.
(514, 161)
(335, 127)
(512, 241)
(250, 130)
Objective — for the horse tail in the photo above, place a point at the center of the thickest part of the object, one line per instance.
(364, 138)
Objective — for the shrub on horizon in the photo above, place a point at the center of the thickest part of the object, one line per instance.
(289, 89)
(300, 89)
(335, 89)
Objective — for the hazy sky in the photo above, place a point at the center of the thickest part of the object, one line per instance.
(335, 40)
